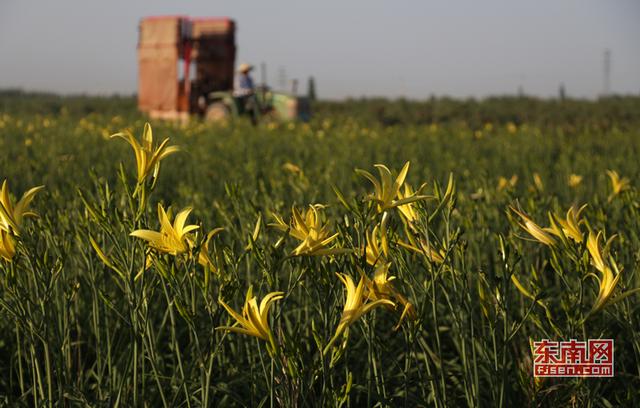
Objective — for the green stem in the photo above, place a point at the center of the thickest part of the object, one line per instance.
(174, 340)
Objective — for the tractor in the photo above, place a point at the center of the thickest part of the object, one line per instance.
(186, 67)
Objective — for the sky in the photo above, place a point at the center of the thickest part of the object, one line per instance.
(399, 48)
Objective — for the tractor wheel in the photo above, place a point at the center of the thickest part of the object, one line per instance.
(270, 116)
(217, 112)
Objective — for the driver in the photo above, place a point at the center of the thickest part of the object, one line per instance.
(244, 91)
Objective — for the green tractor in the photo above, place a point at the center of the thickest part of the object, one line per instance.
(264, 105)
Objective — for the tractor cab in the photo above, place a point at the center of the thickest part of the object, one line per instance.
(187, 66)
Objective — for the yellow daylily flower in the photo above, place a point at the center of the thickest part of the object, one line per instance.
(537, 232)
(570, 226)
(538, 301)
(171, 239)
(255, 234)
(618, 184)
(609, 280)
(377, 250)
(309, 229)
(386, 190)
(11, 216)
(204, 258)
(407, 210)
(381, 287)
(574, 180)
(504, 183)
(147, 158)
(425, 249)
(537, 181)
(292, 168)
(7, 246)
(254, 320)
(593, 246)
(355, 305)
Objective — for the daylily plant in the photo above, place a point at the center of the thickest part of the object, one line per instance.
(570, 226)
(425, 249)
(618, 184)
(381, 287)
(309, 229)
(387, 189)
(7, 246)
(204, 258)
(171, 239)
(377, 249)
(11, 216)
(355, 305)
(254, 319)
(407, 210)
(608, 279)
(537, 232)
(147, 157)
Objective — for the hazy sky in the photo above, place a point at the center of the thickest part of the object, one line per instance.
(353, 48)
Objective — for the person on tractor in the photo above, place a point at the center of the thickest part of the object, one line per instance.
(244, 92)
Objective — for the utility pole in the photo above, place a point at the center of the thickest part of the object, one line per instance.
(607, 73)
(263, 74)
(521, 86)
(562, 92)
(311, 89)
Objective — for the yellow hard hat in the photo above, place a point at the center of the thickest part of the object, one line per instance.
(244, 67)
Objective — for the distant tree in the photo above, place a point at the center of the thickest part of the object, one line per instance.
(311, 89)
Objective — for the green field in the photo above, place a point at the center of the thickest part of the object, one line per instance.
(93, 316)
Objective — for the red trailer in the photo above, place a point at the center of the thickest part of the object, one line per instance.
(181, 60)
